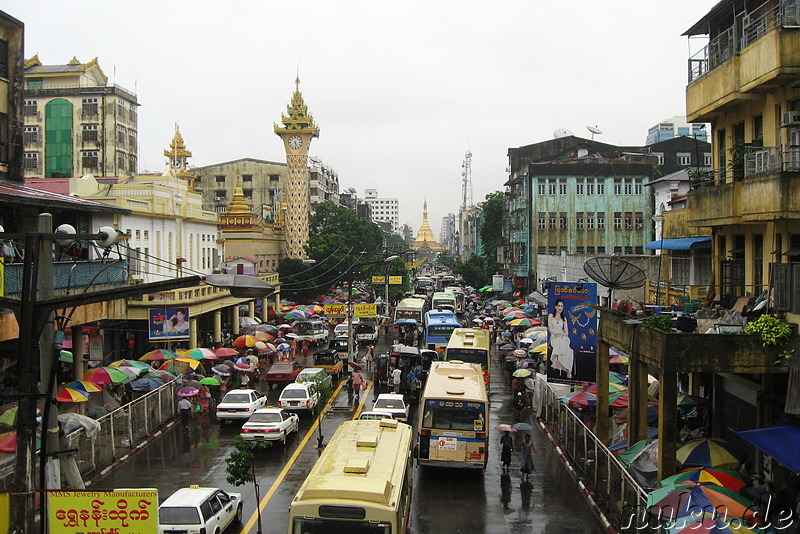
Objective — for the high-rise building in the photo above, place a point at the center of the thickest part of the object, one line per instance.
(447, 235)
(383, 209)
(676, 127)
(77, 123)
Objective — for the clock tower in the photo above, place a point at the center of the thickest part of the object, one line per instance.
(297, 132)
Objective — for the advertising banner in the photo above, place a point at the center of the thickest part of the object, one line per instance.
(571, 332)
(497, 282)
(335, 311)
(167, 324)
(379, 279)
(396, 280)
(365, 310)
(96, 347)
(393, 280)
(117, 511)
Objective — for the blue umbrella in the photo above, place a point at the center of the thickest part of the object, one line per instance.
(145, 383)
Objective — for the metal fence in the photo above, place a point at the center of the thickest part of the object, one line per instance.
(120, 431)
(617, 494)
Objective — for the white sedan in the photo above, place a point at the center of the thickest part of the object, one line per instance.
(270, 424)
(240, 404)
(392, 403)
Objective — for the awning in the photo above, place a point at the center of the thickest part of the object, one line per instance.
(782, 442)
(682, 243)
(406, 321)
(538, 298)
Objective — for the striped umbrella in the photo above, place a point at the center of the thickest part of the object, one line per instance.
(618, 401)
(129, 363)
(8, 442)
(160, 374)
(727, 478)
(199, 354)
(194, 364)
(690, 400)
(710, 452)
(716, 524)
(76, 391)
(245, 341)
(579, 399)
(678, 501)
(612, 388)
(103, 376)
(224, 352)
(158, 355)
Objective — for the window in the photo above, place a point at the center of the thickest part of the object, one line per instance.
(617, 220)
(220, 179)
(579, 221)
(30, 135)
(552, 251)
(659, 157)
(551, 187)
(30, 108)
(33, 83)
(706, 159)
(89, 132)
(121, 109)
(562, 221)
(684, 158)
(552, 217)
(247, 178)
(579, 188)
(562, 187)
(3, 59)
(132, 140)
(542, 221)
(541, 187)
(578, 250)
(146, 234)
(220, 194)
(680, 268)
(89, 106)
(638, 220)
(590, 250)
(617, 187)
(89, 159)
(590, 187)
(723, 150)
(601, 220)
(132, 162)
(601, 187)
(541, 250)
(758, 130)
(627, 186)
(31, 161)
(628, 250)
(132, 113)
(122, 135)
(248, 193)
(601, 250)
(628, 221)
(122, 160)
(639, 250)
(590, 220)
(617, 250)
(138, 234)
(637, 186)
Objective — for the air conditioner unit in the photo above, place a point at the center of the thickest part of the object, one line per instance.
(791, 119)
(217, 199)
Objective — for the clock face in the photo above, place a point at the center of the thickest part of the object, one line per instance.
(295, 142)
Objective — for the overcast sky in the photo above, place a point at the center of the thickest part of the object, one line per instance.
(400, 90)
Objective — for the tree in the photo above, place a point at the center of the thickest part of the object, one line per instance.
(491, 230)
(321, 389)
(241, 468)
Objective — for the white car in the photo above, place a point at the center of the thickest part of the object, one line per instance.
(270, 424)
(240, 404)
(392, 403)
(196, 510)
(375, 415)
(296, 397)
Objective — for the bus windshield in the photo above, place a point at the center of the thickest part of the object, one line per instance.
(449, 415)
(478, 356)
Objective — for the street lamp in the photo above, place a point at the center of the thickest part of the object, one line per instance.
(350, 297)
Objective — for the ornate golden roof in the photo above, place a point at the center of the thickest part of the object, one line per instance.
(238, 213)
(298, 118)
(425, 239)
(178, 154)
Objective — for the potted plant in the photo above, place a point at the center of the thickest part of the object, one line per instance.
(774, 333)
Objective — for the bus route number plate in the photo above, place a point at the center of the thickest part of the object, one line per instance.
(446, 443)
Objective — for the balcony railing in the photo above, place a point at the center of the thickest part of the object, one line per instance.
(746, 30)
(73, 276)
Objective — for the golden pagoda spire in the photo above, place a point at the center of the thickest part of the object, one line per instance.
(238, 213)
(425, 239)
(178, 155)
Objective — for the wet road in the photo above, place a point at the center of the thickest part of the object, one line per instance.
(444, 500)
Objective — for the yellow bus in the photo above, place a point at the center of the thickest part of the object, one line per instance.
(470, 345)
(453, 423)
(360, 483)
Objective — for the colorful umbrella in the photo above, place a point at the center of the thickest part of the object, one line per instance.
(158, 355)
(263, 336)
(674, 502)
(617, 378)
(516, 315)
(178, 366)
(619, 400)
(76, 391)
(612, 388)
(579, 399)
(245, 341)
(506, 428)
(519, 373)
(715, 524)
(188, 392)
(619, 358)
(129, 363)
(727, 478)
(210, 381)
(199, 354)
(131, 372)
(540, 349)
(102, 376)
(690, 400)
(8, 442)
(244, 367)
(194, 364)
(223, 352)
(710, 452)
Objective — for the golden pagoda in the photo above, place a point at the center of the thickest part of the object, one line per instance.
(425, 239)
(238, 216)
(179, 157)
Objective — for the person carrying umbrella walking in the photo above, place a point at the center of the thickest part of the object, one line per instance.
(358, 381)
(185, 406)
(526, 462)
(506, 448)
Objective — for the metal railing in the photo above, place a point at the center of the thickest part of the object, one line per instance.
(616, 492)
(120, 431)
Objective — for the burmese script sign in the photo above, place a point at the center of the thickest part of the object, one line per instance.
(103, 512)
(365, 310)
(335, 311)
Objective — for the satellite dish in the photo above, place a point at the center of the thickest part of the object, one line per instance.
(594, 130)
(562, 132)
(614, 273)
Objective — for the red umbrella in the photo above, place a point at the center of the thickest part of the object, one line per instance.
(245, 341)
(224, 352)
(104, 375)
(158, 355)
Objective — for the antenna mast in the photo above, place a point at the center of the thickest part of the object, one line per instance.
(466, 181)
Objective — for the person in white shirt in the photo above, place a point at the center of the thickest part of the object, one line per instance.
(397, 373)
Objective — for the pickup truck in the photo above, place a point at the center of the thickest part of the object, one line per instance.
(366, 332)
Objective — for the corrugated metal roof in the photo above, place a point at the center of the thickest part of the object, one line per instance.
(25, 195)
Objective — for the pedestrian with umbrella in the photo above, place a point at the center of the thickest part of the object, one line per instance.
(185, 406)
(526, 462)
(506, 448)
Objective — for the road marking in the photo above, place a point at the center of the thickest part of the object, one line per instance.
(265, 500)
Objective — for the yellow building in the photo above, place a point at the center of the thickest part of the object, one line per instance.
(11, 40)
(745, 84)
(76, 123)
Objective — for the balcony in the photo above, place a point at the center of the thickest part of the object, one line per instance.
(519, 236)
(73, 276)
(755, 54)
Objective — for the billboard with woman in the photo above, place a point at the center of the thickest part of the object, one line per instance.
(571, 332)
(168, 323)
